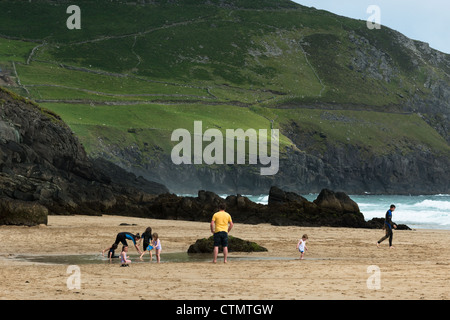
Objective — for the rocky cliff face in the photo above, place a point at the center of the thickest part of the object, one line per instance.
(432, 97)
(408, 169)
(341, 167)
(45, 170)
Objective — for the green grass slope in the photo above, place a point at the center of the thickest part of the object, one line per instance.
(137, 70)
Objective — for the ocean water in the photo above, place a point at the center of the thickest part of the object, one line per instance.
(420, 212)
(417, 212)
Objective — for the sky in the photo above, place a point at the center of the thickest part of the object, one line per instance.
(424, 20)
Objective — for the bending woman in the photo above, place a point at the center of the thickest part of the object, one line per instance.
(122, 237)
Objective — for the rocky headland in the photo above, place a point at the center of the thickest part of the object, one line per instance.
(44, 170)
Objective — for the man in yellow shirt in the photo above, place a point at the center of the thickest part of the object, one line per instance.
(221, 224)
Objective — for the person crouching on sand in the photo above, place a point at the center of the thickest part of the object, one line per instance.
(301, 245)
(123, 257)
(122, 237)
(111, 251)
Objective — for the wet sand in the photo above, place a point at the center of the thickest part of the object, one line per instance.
(341, 263)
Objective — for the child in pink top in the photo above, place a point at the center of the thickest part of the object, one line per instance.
(123, 257)
(157, 245)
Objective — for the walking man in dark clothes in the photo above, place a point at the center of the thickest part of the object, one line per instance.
(388, 225)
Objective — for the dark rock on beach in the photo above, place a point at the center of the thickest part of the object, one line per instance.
(378, 223)
(17, 212)
(337, 202)
(205, 245)
(331, 208)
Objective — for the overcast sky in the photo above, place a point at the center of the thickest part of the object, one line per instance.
(424, 20)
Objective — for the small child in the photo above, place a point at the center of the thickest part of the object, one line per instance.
(147, 237)
(147, 247)
(301, 245)
(111, 251)
(157, 245)
(123, 257)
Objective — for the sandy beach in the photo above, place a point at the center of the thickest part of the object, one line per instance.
(341, 263)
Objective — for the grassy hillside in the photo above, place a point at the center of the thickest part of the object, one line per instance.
(137, 70)
(288, 51)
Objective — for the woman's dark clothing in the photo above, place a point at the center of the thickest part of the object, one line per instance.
(147, 236)
(124, 236)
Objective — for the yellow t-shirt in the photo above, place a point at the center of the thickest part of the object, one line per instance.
(221, 220)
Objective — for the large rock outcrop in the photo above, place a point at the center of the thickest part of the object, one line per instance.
(17, 212)
(330, 208)
(44, 169)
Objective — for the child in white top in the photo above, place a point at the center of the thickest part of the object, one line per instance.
(157, 245)
(301, 245)
(124, 258)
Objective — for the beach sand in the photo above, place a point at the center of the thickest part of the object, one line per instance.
(336, 266)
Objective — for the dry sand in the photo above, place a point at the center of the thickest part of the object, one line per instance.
(335, 266)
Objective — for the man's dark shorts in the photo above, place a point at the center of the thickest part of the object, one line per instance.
(221, 239)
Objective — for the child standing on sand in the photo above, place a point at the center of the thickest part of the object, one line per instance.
(148, 237)
(301, 245)
(123, 257)
(157, 245)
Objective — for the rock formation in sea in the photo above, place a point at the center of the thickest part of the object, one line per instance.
(334, 209)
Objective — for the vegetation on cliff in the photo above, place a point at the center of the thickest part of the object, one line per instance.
(358, 109)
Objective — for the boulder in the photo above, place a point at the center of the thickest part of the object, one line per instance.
(17, 212)
(378, 223)
(337, 202)
(206, 245)
(280, 197)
